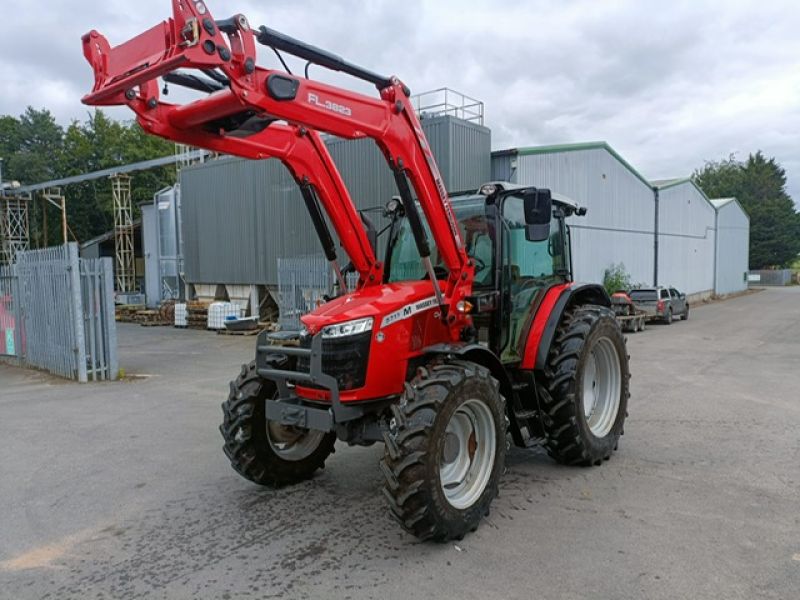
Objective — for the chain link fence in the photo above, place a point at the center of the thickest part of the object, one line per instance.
(57, 313)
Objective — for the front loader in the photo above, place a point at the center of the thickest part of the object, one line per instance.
(470, 332)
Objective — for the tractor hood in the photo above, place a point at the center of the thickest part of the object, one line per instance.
(387, 304)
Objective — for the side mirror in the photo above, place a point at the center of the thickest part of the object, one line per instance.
(538, 207)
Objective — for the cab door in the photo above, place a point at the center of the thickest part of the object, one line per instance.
(528, 270)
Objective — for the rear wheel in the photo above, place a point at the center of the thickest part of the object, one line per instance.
(445, 450)
(585, 387)
(263, 451)
(668, 317)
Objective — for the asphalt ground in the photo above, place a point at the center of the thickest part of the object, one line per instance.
(121, 490)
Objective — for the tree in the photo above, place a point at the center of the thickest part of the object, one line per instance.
(36, 149)
(616, 278)
(759, 183)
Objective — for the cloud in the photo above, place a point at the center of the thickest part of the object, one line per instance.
(668, 85)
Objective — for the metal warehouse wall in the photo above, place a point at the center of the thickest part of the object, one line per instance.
(686, 239)
(240, 216)
(619, 225)
(733, 247)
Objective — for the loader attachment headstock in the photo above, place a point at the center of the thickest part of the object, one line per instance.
(190, 39)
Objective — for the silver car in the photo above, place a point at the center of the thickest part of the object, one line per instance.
(662, 303)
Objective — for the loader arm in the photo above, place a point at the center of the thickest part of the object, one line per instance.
(192, 39)
(306, 157)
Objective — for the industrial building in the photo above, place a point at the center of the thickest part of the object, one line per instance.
(618, 227)
(233, 218)
(732, 246)
(686, 241)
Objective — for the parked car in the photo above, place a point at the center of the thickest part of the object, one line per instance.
(662, 303)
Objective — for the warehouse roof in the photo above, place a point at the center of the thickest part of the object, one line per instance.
(667, 183)
(663, 184)
(720, 202)
(556, 148)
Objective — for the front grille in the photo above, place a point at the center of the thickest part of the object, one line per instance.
(343, 358)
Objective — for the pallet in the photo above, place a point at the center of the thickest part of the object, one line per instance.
(244, 332)
(155, 323)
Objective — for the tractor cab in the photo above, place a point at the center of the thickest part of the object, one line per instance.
(514, 266)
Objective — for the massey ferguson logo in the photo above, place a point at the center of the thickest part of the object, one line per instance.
(409, 310)
(328, 105)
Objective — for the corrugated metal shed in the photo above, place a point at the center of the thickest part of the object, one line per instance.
(240, 216)
(686, 238)
(619, 225)
(733, 246)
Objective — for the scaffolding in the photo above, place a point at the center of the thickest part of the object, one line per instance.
(124, 267)
(186, 156)
(14, 226)
(53, 196)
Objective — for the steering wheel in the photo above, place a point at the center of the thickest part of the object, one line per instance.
(439, 271)
(479, 264)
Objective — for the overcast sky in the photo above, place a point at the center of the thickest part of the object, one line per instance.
(667, 84)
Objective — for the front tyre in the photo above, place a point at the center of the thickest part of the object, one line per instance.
(263, 451)
(584, 391)
(445, 450)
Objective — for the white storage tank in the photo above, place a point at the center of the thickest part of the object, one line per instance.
(219, 312)
(181, 315)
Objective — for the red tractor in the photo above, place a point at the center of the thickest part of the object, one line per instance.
(443, 352)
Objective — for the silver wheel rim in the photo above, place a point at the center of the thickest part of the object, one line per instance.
(293, 443)
(602, 383)
(467, 459)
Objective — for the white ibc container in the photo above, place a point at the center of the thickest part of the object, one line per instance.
(219, 311)
(180, 315)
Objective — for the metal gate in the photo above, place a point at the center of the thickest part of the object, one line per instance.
(303, 282)
(57, 313)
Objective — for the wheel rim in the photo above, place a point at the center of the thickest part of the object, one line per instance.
(467, 459)
(602, 382)
(293, 443)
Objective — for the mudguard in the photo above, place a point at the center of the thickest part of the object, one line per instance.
(561, 298)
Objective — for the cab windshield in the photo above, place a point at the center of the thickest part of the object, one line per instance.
(525, 260)
(470, 212)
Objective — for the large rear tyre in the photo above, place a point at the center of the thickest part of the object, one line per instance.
(585, 387)
(264, 451)
(445, 450)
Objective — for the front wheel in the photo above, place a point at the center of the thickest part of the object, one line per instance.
(445, 450)
(584, 391)
(261, 450)
(685, 314)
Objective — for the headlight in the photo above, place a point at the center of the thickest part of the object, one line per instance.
(347, 328)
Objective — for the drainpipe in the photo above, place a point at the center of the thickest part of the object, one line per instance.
(716, 246)
(655, 239)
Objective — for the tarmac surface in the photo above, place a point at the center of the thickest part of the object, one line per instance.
(121, 490)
